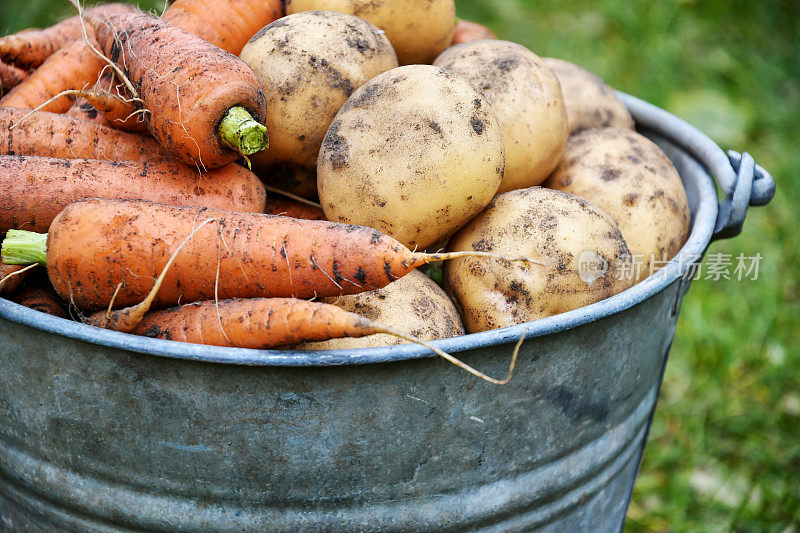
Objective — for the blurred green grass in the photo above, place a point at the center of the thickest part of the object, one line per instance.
(724, 451)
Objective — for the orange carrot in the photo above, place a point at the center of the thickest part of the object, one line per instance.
(36, 189)
(30, 48)
(273, 322)
(57, 135)
(10, 77)
(254, 323)
(41, 297)
(466, 31)
(75, 66)
(201, 100)
(111, 101)
(118, 109)
(228, 24)
(280, 205)
(103, 250)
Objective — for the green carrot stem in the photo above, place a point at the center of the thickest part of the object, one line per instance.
(22, 247)
(240, 132)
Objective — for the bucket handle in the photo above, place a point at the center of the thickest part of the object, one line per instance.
(753, 186)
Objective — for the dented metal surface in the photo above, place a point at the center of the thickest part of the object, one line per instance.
(101, 431)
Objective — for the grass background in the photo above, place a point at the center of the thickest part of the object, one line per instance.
(724, 451)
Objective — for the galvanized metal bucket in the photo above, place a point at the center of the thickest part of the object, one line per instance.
(102, 431)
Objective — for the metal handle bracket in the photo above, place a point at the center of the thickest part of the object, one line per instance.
(753, 186)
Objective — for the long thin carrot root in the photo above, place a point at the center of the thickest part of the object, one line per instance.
(58, 182)
(11, 276)
(445, 256)
(111, 100)
(441, 353)
(86, 112)
(120, 110)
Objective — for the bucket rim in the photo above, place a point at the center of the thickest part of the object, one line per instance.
(646, 116)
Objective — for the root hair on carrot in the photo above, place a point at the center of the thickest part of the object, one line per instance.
(430, 258)
(127, 319)
(99, 54)
(287, 194)
(314, 262)
(77, 92)
(4, 280)
(111, 303)
(459, 363)
(216, 284)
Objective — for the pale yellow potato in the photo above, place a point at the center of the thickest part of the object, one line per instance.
(585, 259)
(527, 98)
(418, 29)
(309, 64)
(590, 102)
(413, 304)
(415, 153)
(630, 177)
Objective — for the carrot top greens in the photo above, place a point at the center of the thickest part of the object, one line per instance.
(22, 247)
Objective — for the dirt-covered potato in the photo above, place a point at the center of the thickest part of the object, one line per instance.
(414, 305)
(590, 102)
(418, 30)
(631, 178)
(526, 96)
(309, 64)
(415, 153)
(584, 255)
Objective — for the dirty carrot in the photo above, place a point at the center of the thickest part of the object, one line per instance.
(110, 102)
(59, 135)
(30, 48)
(205, 105)
(75, 66)
(228, 24)
(10, 77)
(41, 297)
(127, 318)
(119, 110)
(262, 323)
(95, 245)
(36, 189)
